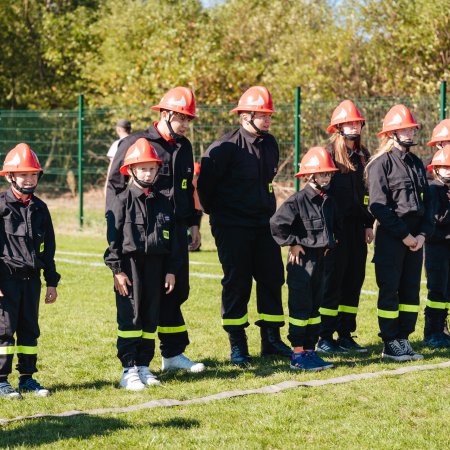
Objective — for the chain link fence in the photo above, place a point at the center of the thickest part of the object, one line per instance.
(55, 137)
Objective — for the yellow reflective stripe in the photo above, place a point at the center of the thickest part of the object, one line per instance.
(298, 322)
(387, 314)
(348, 309)
(41, 247)
(409, 308)
(166, 234)
(270, 187)
(366, 200)
(436, 305)
(129, 334)
(271, 317)
(169, 330)
(184, 184)
(8, 350)
(27, 349)
(146, 335)
(328, 312)
(240, 321)
(314, 320)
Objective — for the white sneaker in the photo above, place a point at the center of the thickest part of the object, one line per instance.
(181, 362)
(130, 379)
(147, 377)
(406, 345)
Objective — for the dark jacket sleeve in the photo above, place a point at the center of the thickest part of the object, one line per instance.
(282, 223)
(51, 276)
(214, 165)
(428, 222)
(441, 215)
(379, 198)
(115, 219)
(174, 261)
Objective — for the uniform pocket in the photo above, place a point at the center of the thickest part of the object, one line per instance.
(14, 225)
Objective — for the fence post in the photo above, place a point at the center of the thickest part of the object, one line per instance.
(298, 101)
(443, 108)
(80, 155)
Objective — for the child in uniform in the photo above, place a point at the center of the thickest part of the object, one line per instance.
(143, 257)
(27, 245)
(307, 222)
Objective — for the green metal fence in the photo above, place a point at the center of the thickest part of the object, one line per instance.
(55, 135)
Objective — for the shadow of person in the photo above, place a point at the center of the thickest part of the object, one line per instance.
(176, 422)
(50, 430)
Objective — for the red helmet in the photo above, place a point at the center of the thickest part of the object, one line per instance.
(255, 99)
(440, 158)
(344, 113)
(441, 133)
(399, 117)
(179, 99)
(140, 152)
(21, 159)
(316, 160)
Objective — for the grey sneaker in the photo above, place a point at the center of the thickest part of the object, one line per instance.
(147, 377)
(181, 362)
(406, 345)
(8, 392)
(395, 351)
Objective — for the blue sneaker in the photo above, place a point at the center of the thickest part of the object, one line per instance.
(304, 361)
(31, 385)
(325, 365)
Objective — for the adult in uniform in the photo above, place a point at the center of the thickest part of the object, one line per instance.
(235, 189)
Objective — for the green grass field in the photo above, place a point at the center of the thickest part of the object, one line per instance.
(77, 362)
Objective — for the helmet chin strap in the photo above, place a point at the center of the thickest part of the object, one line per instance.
(172, 133)
(318, 186)
(23, 190)
(144, 184)
(258, 130)
(406, 144)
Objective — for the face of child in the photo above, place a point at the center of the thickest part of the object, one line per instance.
(444, 172)
(406, 135)
(323, 179)
(179, 122)
(145, 172)
(25, 180)
(442, 144)
(351, 128)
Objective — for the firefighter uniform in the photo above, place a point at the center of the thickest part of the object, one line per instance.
(143, 244)
(235, 189)
(400, 202)
(175, 182)
(437, 262)
(27, 243)
(345, 265)
(308, 219)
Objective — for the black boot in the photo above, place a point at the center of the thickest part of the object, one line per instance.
(239, 349)
(271, 343)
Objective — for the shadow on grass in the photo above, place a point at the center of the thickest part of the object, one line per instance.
(57, 429)
(97, 384)
(176, 422)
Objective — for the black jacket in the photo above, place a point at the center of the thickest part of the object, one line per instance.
(399, 191)
(27, 239)
(235, 182)
(174, 178)
(440, 205)
(307, 218)
(138, 224)
(349, 189)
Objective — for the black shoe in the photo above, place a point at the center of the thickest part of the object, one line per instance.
(350, 344)
(437, 340)
(330, 346)
(271, 343)
(239, 349)
(395, 351)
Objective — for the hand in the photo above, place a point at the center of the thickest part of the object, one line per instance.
(410, 241)
(294, 254)
(368, 235)
(420, 240)
(1, 293)
(170, 283)
(51, 295)
(196, 238)
(121, 281)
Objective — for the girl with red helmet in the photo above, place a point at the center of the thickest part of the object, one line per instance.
(399, 199)
(27, 244)
(143, 257)
(307, 222)
(345, 265)
(437, 246)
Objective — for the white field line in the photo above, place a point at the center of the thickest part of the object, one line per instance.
(270, 389)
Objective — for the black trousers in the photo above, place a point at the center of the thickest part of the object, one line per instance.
(305, 281)
(398, 272)
(437, 268)
(138, 312)
(247, 253)
(344, 272)
(172, 331)
(19, 311)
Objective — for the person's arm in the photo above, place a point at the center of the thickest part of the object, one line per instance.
(47, 255)
(115, 220)
(282, 223)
